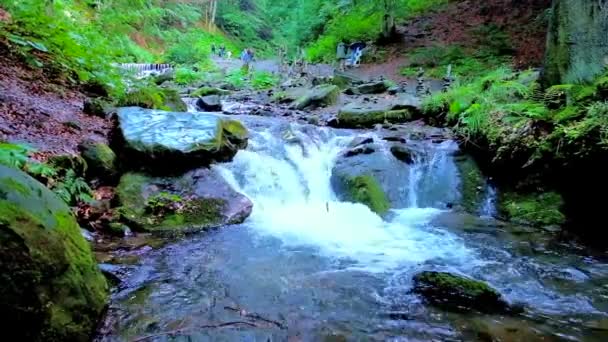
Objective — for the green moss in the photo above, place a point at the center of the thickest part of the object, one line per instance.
(450, 282)
(48, 277)
(472, 184)
(150, 96)
(535, 209)
(173, 100)
(367, 190)
(369, 118)
(204, 91)
(320, 96)
(164, 212)
(100, 158)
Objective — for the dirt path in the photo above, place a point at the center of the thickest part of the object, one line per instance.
(36, 110)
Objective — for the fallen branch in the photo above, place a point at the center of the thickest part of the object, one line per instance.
(255, 316)
(191, 330)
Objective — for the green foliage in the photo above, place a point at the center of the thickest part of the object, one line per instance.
(261, 80)
(69, 186)
(538, 210)
(163, 203)
(145, 95)
(187, 76)
(465, 62)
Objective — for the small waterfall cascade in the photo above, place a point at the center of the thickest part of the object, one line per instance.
(488, 206)
(145, 69)
(290, 186)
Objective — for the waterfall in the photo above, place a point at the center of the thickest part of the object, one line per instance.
(488, 206)
(289, 184)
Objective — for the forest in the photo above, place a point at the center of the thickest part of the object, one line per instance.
(345, 170)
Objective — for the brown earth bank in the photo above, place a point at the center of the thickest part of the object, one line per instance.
(525, 22)
(43, 111)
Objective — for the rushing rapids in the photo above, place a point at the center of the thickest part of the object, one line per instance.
(308, 266)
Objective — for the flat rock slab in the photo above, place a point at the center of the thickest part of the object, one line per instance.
(153, 138)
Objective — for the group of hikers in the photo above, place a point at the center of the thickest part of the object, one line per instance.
(221, 51)
(247, 56)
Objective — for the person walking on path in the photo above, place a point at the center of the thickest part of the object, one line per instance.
(341, 56)
(247, 58)
(213, 49)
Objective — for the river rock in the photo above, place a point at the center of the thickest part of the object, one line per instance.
(366, 115)
(167, 141)
(320, 96)
(358, 141)
(205, 91)
(195, 201)
(97, 107)
(403, 153)
(365, 149)
(52, 289)
(407, 101)
(390, 174)
(457, 293)
(377, 87)
(209, 103)
(101, 160)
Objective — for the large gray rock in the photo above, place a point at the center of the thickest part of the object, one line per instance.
(198, 200)
(320, 96)
(169, 141)
(50, 285)
(209, 103)
(577, 44)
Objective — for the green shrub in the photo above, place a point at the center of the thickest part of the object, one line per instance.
(187, 76)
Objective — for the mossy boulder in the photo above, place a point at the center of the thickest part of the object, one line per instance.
(51, 287)
(536, 209)
(366, 190)
(357, 115)
(97, 107)
(195, 201)
(209, 103)
(377, 87)
(320, 96)
(472, 183)
(100, 158)
(168, 141)
(206, 91)
(457, 293)
(577, 44)
(154, 97)
(172, 100)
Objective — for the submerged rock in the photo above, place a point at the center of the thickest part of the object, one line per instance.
(170, 141)
(195, 201)
(52, 289)
(456, 293)
(209, 103)
(320, 96)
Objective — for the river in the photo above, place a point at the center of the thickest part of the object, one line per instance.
(309, 267)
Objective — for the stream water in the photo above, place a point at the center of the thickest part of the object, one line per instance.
(308, 267)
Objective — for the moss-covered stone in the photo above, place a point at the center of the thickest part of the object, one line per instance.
(320, 96)
(356, 116)
(577, 42)
(178, 205)
(173, 100)
(366, 190)
(50, 285)
(206, 91)
(154, 97)
(456, 293)
(100, 158)
(537, 209)
(97, 107)
(472, 184)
